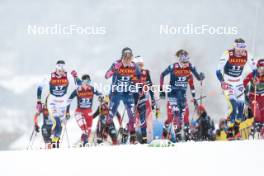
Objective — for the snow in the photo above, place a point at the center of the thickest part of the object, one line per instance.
(241, 158)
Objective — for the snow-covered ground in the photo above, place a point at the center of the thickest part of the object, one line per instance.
(237, 158)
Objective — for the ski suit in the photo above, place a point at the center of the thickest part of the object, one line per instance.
(83, 112)
(230, 71)
(124, 79)
(179, 79)
(57, 101)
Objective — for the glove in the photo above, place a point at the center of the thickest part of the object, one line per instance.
(117, 66)
(202, 76)
(36, 128)
(195, 103)
(101, 99)
(157, 113)
(153, 104)
(39, 106)
(74, 74)
(224, 85)
(256, 81)
(162, 95)
(67, 116)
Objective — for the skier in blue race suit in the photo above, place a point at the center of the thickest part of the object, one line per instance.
(180, 76)
(125, 74)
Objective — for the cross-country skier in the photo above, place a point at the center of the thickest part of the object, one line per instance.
(181, 74)
(256, 95)
(58, 83)
(142, 97)
(46, 125)
(103, 129)
(205, 125)
(229, 73)
(125, 74)
(83, 113)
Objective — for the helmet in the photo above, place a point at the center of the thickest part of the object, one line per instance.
(60, 64)
(107, 99)
(138, 59)
(183, 55)
(240, 43)
(86, 78)
(201, 108)
(126, 50)
(260, 63)
(104, 99)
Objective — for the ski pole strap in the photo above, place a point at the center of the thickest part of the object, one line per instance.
(46, 100)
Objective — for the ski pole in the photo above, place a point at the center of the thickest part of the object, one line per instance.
(34, 133)
(67, 136)
(30, 139)
(63, 133)
(201, 92)
(255, 100)
(121, 124)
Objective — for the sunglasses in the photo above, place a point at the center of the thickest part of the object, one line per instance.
(240, 45)
(60, 67)
(86, 81)
(185, 62)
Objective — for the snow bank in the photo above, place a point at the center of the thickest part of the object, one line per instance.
(241, 158)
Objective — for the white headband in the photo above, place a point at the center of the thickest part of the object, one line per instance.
(60, 66)
(240, 45)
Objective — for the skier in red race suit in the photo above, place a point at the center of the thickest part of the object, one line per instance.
(180, 76)
(83, 114)
(255, 96)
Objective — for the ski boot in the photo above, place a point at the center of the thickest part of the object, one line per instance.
(99, 140)
(258, 130)
(237, 135)
(144, 139)
(133, 138)
(178, 133)
(186, 132)
(55, 142)
(165, 133)
(230, 133)
(84, 139)
(112, 133)
(113, 136)
(124, 135)
(233, 132)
